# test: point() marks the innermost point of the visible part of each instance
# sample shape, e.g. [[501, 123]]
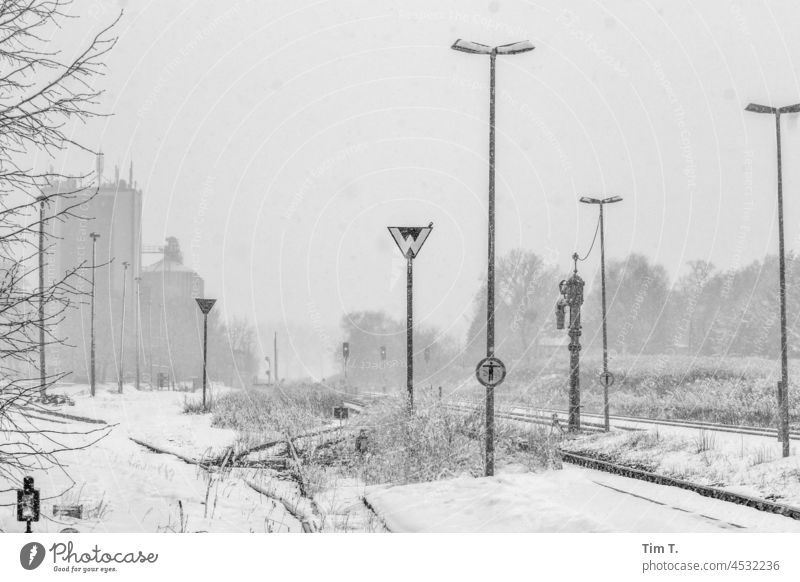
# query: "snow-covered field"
[[569, 500]]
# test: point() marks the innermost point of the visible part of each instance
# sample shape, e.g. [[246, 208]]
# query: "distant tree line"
[[704, 311]]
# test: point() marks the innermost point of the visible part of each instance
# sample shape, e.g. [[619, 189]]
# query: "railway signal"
[[409, 240], [345, 357], [27, 503], [205, 306], [572, 296], [383, 369]]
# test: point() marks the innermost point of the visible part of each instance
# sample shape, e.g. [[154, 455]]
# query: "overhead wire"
[[594, 239]]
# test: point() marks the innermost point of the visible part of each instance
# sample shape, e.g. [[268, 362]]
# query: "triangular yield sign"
[[410, 239], [205, 305]]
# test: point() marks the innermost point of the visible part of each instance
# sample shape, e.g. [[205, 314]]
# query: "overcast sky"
[[277, 140]]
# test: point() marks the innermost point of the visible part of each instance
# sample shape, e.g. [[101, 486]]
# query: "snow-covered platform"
[[569, 500]]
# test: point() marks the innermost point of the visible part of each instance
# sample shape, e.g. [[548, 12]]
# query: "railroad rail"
[[594, 420], [527, 417], [698, 424]]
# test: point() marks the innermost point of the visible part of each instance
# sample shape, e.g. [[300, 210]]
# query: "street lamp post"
[[482, 49], [606, 376], [783, 387], [122, 325], [42, 361], [92, 377], [136, 323]]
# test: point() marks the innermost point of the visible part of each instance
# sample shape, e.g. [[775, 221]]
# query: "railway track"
[[593, 421], [695, 424], [529, 417]]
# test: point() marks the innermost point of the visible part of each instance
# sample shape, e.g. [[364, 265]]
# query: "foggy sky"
[[277, 140]]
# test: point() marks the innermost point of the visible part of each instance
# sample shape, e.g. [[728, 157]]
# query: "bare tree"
[[42, 94]]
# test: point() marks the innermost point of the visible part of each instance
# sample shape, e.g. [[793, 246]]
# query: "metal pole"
[[150, 334], [205, 355], [410, 333], [42, 363], [138, 329], [92, 375], [606, 421], [490, 284], [490, 279], [275, 350], [122, 326], [783, 404]]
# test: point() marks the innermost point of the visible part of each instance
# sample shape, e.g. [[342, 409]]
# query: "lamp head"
[[467, 46], [755, 108], [514, 48]]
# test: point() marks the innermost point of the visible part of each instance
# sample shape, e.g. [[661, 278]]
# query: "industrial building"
[[145, 315]]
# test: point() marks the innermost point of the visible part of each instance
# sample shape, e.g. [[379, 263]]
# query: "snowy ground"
[[124, 487], [569, 500], [747, 464], [128, 488]]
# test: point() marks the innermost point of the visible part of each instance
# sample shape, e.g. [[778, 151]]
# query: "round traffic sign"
[[608, 378], [490, 371]]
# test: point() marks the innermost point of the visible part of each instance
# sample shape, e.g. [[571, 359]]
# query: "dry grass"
[[438, 443], [291, 409]]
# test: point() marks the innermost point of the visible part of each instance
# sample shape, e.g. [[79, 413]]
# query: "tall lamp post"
[[482, 49], [122, 326], [92, 377], [606, 376], [137, 326], [205, 306], [783, 387], [42, 361]]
